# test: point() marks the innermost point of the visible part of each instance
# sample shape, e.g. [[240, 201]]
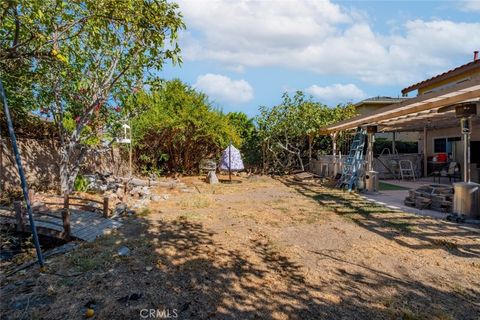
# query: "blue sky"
[[244, 54]]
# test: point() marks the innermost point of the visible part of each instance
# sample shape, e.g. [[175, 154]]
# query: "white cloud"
[[337, 93], [223, 89], [470, 5], [323, 37], [237, 68]]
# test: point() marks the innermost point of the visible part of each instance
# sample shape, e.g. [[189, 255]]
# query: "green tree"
[[288, 131], [246, 129], [74, 60], [178, 128]]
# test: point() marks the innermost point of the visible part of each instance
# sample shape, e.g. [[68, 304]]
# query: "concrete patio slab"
[[394, 199]]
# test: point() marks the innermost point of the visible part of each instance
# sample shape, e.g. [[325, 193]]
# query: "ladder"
[[353, 163]]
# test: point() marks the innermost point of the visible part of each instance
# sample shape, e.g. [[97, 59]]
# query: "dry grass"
[[196, 201], [98, 255], [445, 243], [263, 249]]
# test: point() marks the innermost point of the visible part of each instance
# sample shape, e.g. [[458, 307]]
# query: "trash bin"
[[371, 181], [466, 199]]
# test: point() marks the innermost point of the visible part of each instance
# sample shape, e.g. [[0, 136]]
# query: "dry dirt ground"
[[261, 249]]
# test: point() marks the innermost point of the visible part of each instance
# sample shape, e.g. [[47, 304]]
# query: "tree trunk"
[[309, 149], [300, 161], [64, 170], [263, 157], [71, 158]]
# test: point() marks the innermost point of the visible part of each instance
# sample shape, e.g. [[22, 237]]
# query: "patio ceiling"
[[416, 113], [432, 119]]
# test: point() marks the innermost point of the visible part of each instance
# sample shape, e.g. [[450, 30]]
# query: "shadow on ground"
[[199, 275], [426, 233]]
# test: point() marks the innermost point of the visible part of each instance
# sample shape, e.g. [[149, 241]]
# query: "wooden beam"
[[393, 142], [467, 90], [334, 153], [425, 160], [432, 105], [418, 126], [19, 216], [105, 207], [420, 120]]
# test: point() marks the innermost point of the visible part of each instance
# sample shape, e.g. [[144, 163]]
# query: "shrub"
[[177, 129], [81, 184]]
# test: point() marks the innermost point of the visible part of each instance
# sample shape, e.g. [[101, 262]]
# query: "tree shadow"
[[426, 233], [202, 276]]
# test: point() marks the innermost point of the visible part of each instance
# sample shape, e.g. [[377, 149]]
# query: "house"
[[448, 139], [434, 114], [373, 105]]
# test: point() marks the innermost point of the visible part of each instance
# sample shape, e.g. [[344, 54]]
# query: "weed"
[[190, 216], [409, 315], [445, 243], [459, 290], [145, 212], [196, 201], [283, 209], [91, 256], [399, 225]]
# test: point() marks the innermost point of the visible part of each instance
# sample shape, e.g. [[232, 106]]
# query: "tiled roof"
[[380, 99], [450, 73]]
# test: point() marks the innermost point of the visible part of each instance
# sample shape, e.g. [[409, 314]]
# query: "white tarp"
[[235, 159]]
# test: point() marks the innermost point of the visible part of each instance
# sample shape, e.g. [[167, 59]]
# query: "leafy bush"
[[81, 184], [177, 129], [250, 147], [290, 131]]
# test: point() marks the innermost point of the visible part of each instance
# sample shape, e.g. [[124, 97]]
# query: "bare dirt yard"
[[261, 249]]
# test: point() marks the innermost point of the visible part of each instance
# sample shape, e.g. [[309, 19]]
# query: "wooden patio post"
[[334, 153], [425, 162], [105, 207], [371, 130], [66, 217], [19, 217], [393, 142]]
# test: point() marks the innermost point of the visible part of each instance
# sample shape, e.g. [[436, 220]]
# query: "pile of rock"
[[435, 197], [140, 192], [101, 182], [142, 196]]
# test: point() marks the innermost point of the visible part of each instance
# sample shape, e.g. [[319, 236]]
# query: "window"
[[440, 145], [444, 145]]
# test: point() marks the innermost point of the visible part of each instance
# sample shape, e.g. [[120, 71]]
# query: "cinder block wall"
[[41, 160]]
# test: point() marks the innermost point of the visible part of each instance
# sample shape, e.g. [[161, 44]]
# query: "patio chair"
[[406, 169], [452, 171]]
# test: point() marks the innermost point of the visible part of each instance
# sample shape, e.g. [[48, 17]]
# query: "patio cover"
[[430, 109]]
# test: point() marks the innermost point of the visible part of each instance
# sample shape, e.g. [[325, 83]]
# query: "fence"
[[68, 202]]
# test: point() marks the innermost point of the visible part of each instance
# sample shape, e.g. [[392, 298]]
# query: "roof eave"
[[423, 102], [452, 73]]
